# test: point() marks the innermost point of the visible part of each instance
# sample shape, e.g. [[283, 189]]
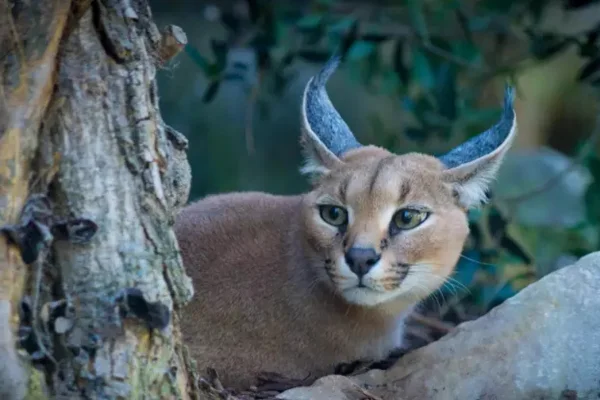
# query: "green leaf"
[[253, 10], [481, 116], [592, 195], [588, 49], [467, 51], [309, 22], [480, 23], [422, 70], [317, 56], [589, 69], [514, 248], [231, 21], [536, 9], [445, 91], [263, 58], [198, 58], [575, 4], [420, 108], [360, 50], [349, 39], [211, 91], [313, 36], [375, 37], [441, 44], [343, 25], [496, 222], [417, 134], [219, 48], [264, 112], [463, 21], [371, 68], [474, 215], [417, 17], [377, 126], [390, 82], [399, 66], [499, 6], [280, 83], [546, 45], [287, 59], [325, 3]]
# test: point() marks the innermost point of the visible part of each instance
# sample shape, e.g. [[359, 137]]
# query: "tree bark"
[[90, 180]]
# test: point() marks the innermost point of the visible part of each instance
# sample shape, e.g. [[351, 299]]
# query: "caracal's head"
[[385, 227]]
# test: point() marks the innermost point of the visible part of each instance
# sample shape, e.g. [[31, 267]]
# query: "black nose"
[[361, 261]]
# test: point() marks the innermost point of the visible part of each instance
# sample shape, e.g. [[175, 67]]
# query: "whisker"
[[449, 280], [477, 261], [428, 274], [426, 292], [459, 284], [450, 287]]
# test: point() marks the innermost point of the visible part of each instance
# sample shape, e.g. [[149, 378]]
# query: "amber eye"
[[333, 215], [406, 219]]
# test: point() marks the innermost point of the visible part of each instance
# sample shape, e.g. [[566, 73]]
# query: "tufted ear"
[[325, 135], [472, 166]]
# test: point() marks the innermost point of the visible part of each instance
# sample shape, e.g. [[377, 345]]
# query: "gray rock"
[[560, 205], [333, 387], [544, 343]]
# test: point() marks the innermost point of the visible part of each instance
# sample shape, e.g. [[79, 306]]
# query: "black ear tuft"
[[321, 117], [486, 142], [325, 134], [472, 166]]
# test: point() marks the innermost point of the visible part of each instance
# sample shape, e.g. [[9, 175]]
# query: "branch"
[[461, 62], [432, 322]]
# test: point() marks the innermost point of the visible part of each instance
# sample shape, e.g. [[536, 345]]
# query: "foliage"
[[434, 59]]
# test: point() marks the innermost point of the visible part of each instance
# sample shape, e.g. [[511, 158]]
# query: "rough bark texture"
[[90, 179]]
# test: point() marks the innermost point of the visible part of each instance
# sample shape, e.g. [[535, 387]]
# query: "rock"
[[333, 387], [548, 224], [561, 205], [543, 343]]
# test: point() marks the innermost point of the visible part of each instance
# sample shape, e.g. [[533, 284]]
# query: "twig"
[[587, 148], [448, 56], [432, 323], [418, 333]]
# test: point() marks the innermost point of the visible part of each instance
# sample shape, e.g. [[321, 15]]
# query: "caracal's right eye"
[[333, 215]]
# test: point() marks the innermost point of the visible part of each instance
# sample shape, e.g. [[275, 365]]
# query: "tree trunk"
[[90, 180]]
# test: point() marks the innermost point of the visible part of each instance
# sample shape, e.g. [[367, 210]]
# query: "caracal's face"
[[384, 227]]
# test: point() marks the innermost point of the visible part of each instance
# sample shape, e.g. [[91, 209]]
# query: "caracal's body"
[[299, 284]]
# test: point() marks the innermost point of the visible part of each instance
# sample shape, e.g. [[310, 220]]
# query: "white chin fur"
[[365, 296]]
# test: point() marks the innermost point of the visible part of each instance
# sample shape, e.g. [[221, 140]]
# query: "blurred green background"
[[418, 76]]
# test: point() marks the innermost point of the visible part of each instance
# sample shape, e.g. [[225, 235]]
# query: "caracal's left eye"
[[333, 215], [407, 218]]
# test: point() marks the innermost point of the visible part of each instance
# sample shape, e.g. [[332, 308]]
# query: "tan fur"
[[273, 288], [263, 299]]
